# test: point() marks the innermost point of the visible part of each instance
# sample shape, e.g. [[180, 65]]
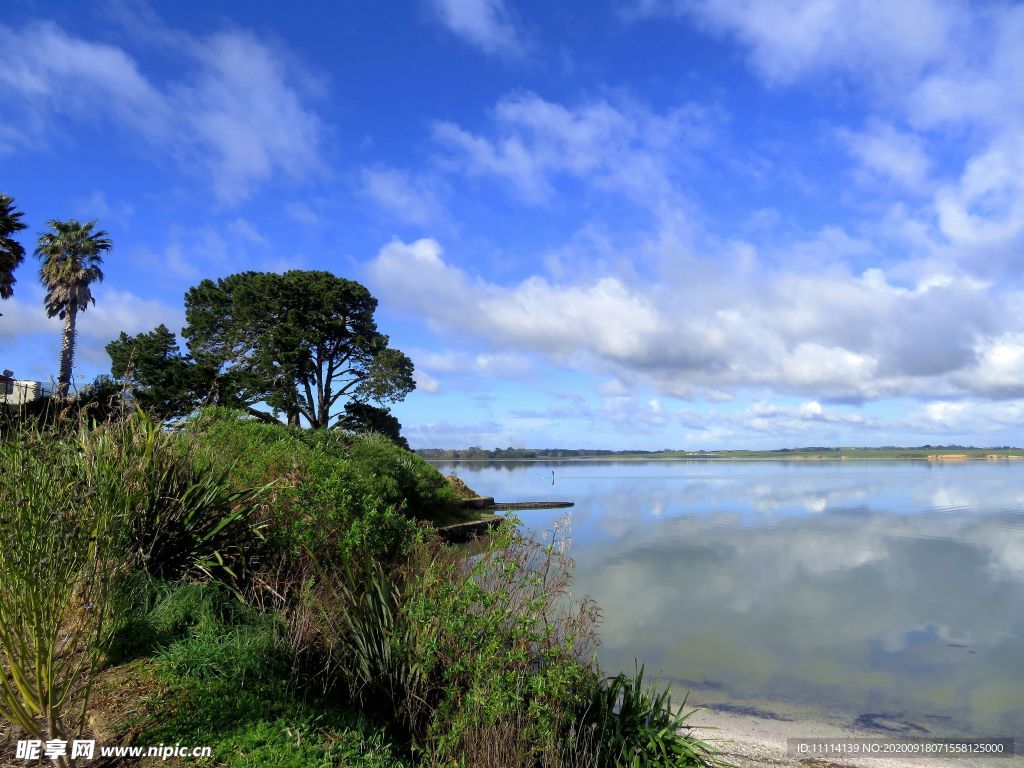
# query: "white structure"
[[15, 392]]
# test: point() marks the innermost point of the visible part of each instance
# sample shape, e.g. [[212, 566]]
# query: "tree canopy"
[[71, 254], [162, 379], [363, 417], [303, 342], [12, 253]]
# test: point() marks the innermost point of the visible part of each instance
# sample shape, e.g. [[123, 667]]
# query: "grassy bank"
[[280, 596]]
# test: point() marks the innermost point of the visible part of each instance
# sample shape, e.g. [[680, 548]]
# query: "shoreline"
[[761, 740]]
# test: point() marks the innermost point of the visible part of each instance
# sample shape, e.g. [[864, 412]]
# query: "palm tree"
[[12, 253], [71, 256]]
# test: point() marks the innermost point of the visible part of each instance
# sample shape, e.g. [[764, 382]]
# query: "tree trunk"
[[67, 352]]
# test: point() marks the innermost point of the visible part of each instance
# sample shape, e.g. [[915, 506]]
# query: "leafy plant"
[[12, 253], [509, 645], [374, 640], [636, 726]]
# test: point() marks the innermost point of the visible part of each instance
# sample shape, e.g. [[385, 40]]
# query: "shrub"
[[508, 643], [335, 494], [451, 648], [373, 640], [485, 661]]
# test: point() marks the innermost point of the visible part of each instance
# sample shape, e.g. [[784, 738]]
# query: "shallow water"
[[883, 594]]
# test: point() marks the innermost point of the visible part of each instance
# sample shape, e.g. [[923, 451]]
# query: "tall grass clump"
[[59, 564], [635, 725], [87, 510], [181, 518]]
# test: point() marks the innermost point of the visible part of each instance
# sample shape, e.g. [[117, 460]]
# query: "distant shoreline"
[[931, 458]]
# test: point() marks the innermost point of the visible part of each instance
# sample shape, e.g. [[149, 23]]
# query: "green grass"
[[223, 679], [261, 725]]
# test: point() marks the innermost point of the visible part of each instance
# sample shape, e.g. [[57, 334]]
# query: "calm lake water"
[[864, 592]]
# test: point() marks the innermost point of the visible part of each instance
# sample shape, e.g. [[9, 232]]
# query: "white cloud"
[[486, 24], [426, 383], [115, 310], [999, 372], [968, 416], [303, 214], [624, 148], [409, 199], [819, 335], [213, 250], [95, 205], [249, 113], [236, 109], [613, 388], [941, 81], [54, 70], [118, 310], [975, 85], [435, 434], [986, 206], [458, 365], [244, 231], [890, 154], [791, 38], [21, 317], [503, 365], [776, 419]]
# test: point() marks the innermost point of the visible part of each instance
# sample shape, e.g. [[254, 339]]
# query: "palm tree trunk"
[[67, 352]]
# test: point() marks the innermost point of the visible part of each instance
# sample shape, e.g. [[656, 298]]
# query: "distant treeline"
[[476, 452]]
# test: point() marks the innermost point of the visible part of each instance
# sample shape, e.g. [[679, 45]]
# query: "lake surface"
[[864, 592]]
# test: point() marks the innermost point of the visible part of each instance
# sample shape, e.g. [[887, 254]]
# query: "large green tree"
[[161, 379], [363, 417], [71, 254], [303, 342], [12, 253]]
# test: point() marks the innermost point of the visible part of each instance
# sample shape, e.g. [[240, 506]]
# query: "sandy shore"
[[750, 740]]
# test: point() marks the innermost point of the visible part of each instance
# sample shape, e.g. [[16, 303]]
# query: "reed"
[[57, 582]]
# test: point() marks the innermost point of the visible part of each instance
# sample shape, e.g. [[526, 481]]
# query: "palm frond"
[[12, 253]]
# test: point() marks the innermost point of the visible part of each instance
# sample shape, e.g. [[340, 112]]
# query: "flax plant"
[[180, 519], [55, 587]]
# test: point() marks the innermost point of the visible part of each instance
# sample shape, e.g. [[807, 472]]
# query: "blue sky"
[[632, 224]]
